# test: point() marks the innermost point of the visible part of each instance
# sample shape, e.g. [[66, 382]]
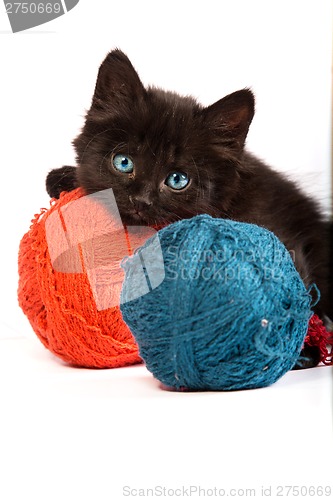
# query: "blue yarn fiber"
[[228, 309]]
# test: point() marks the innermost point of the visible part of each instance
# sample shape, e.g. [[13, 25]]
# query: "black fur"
[[163, 132], [61, 179]]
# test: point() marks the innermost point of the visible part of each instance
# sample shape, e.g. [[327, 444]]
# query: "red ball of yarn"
[[70, 281]]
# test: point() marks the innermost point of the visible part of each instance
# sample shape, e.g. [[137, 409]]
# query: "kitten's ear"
[[117, 85], [232, 115]]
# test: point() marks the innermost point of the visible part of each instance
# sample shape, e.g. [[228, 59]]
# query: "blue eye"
[[177, 180], [123, 164]]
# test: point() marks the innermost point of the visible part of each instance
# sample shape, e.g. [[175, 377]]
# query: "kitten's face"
[[165, 157]]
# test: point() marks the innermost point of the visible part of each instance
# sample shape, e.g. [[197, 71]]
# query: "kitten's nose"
[[140, 202]]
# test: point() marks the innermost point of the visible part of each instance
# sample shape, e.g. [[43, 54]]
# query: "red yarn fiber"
[[317, 335], [65, 297]]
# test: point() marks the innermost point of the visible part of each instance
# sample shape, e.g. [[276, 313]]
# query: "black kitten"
[[166, 157]]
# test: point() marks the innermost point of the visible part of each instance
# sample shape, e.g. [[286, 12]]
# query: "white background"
[[81, 433]]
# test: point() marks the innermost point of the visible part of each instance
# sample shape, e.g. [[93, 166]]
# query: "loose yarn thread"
[[317, 335]]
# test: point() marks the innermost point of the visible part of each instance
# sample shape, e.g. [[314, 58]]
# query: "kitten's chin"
[[136, 219]]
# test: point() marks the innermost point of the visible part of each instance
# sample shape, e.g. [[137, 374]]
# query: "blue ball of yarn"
[[215, 304]]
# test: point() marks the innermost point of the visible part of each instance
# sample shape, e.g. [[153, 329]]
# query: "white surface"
[[78, 434], [84, 434]]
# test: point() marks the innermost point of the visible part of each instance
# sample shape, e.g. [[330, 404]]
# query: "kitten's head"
[[165, 156]]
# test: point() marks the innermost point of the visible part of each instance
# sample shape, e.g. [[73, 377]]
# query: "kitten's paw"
[[61, 179], [309, 358]]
